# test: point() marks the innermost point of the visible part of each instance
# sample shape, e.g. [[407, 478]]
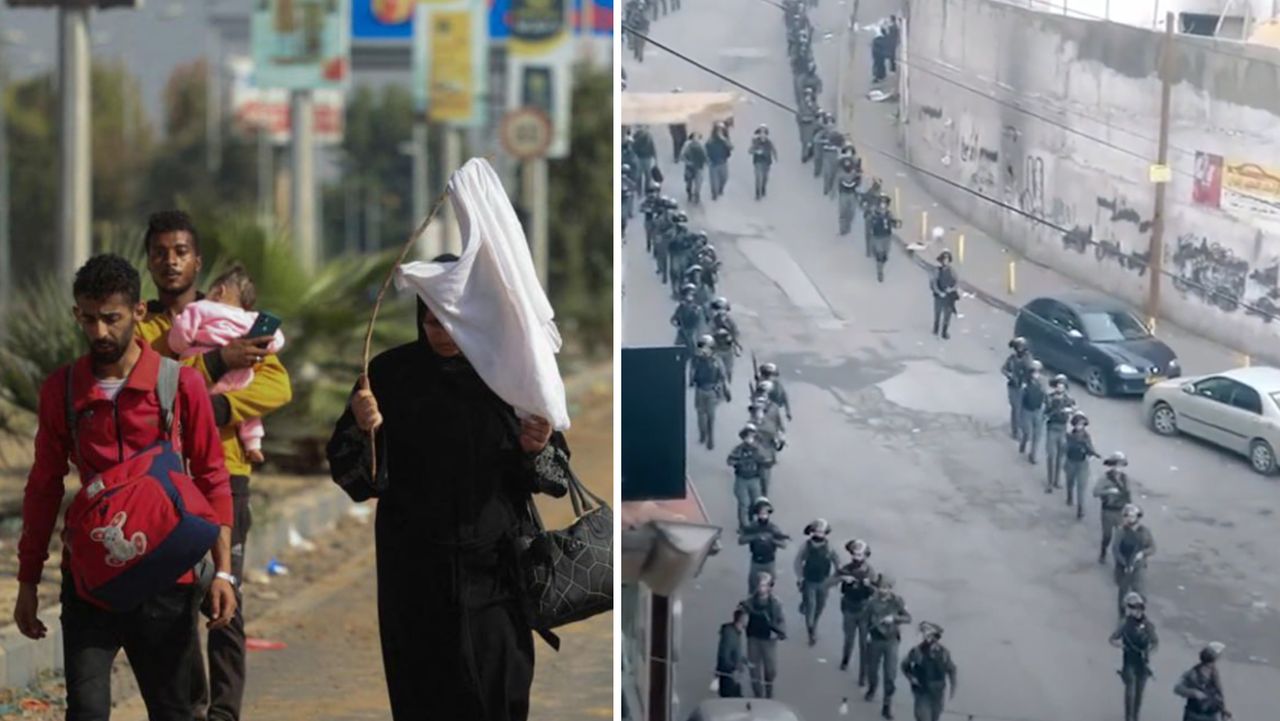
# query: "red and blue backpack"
[[134, 529]]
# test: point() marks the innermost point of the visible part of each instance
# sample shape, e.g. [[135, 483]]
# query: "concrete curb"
[[310, 513]]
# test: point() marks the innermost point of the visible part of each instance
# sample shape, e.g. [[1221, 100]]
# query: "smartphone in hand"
[[266, 325]]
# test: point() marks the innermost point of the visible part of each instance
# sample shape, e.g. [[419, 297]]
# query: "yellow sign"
[[1160, 173], [1251, 188], [451, 91]]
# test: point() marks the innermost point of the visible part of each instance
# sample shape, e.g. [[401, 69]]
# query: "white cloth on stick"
[[490, 300]]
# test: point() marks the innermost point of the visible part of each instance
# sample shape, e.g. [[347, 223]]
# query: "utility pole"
[[534, 189], [266, 178], [303, 162], [74, 202], [1156, 253], [420, 185], [452, 237]]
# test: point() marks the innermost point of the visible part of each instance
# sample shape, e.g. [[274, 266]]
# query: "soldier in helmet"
[[693, 275], [765, 627], [886, 612], [809, 81], [681, 251], [763, 538], [946, 292], [1136, 635], [1032, 414], [763, 156], [1113, 489], [821, 139], [652, 206], [708, 379], [694, 158], [689, 318], [628, 195], [1202, 688], [748, 463], [815, 563], [1132, 547], [764, 418], [857, 584], [663, 241], [1015, 370], [848, 179], [1058, 407], [807, 121], [643, 146], [879, 227], [836, 144], [777, 394], [726, 335], [929, 669], [1078, 449]]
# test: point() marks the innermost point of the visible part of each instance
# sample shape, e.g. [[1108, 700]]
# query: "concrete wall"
[[1101, 80]]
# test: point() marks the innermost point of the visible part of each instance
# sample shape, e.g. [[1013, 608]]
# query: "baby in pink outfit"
[[225, 314]]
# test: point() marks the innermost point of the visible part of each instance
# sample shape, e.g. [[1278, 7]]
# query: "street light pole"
[[303, 161], [74, 202]]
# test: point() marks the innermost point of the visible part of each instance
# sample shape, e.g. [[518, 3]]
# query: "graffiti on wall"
[[1216, 275], [1031, 199]]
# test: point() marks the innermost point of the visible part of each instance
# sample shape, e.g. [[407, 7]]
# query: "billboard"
[[601, 19], [1247, 190], [254, 109], [541, 54], [382, 20], [450, 62], [300, 44]]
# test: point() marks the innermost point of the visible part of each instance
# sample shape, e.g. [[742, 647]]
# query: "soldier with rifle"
[[1202, 688], [707, 378], [1137, 637]]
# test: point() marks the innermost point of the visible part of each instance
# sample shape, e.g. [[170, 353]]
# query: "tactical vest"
[[817, 562], [705, 373]]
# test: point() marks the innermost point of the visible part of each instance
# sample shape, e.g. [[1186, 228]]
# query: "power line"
[[1132, 259]]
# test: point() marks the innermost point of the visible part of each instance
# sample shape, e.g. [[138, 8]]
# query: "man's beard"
[[107, 352]]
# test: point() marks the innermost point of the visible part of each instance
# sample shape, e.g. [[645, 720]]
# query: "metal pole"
[[420, 182], [660, 643], [534, 187], [452, 237], [213, 102], [1157, 224], [6, 252], [303, 161], [74, 150], [266, 178]]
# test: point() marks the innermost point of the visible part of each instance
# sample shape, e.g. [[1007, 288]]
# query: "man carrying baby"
[[173, 258]]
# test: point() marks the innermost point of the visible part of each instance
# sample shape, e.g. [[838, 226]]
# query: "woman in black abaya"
[[456, 470]]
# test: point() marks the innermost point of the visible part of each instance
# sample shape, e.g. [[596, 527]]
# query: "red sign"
[[1207, 187]]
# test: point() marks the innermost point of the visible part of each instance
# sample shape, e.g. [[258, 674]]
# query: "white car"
[[1237, 409]]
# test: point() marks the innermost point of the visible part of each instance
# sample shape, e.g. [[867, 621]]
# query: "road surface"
[[900, 438]]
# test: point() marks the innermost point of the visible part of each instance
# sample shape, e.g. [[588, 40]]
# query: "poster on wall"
[[541, 51], [299, 44], [450, 62], [1206, 186], [382, 20], [1251, 190]]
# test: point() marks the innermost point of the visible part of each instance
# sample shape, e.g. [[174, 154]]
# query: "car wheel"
[[1095, 381], [1163, 420], [1262, 457]]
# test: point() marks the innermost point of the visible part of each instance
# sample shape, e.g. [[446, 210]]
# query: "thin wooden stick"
[[377, 306]]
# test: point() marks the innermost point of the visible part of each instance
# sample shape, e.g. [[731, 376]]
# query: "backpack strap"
[[167, 392]]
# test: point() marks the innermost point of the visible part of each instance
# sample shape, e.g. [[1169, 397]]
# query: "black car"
[[1098, 341]]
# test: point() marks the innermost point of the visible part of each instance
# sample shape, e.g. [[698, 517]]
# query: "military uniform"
[[847, 196], [678, 249], [1015, 370], [726, 349], [1078, 448], [854, 595], [928, 668], [1137, 637], [748, 464], [646, 152], [731, 659], [944, 287], [884, 616], [1113, 489], [765, 627], [708, 379], [694, 157], [1056, 417], [880, 227], [1032, 417], [689, 319], [770, 428], [763, 156], [778, 396], [807, 120], [831, 161], [814, 564], [1130, 570], [763, 540], [1202, 688]]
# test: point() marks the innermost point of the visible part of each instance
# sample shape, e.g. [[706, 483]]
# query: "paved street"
[[899, 438]]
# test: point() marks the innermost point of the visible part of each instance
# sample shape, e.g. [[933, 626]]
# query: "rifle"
[[755, 374]]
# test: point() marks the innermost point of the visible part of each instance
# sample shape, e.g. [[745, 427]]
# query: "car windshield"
[[1275, 398], [1112, 326]]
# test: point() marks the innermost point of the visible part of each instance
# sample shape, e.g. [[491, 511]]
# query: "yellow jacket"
[[269, 390]]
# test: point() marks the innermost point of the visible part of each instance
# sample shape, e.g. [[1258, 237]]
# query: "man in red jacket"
[[117, 414]]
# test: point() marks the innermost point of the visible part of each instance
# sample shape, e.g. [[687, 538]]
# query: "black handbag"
[[566, 575]]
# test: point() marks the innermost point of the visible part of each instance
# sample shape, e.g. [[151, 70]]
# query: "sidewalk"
[[984, 265]]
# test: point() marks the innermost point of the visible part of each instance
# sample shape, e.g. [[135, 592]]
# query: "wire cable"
[[1100, 249]]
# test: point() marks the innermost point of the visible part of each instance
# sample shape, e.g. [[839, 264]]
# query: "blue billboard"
[[382, 20], [499, 29]]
